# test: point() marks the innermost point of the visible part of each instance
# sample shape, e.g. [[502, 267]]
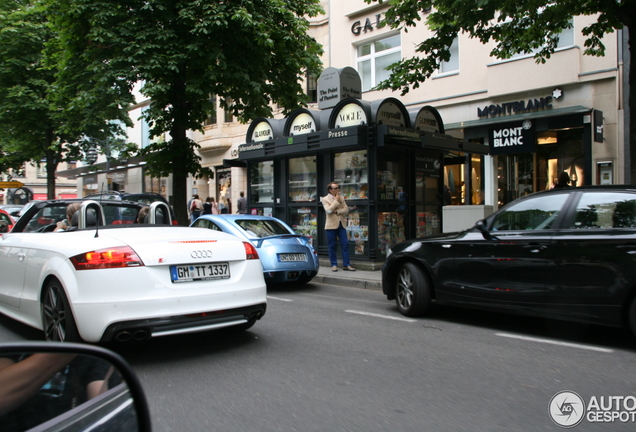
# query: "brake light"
[[116, 257], [250, 251]]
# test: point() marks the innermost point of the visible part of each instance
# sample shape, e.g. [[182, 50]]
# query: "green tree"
[[250, 53], [37, 121], [516, 26]]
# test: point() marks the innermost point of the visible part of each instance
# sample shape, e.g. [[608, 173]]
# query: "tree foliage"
[[516, 26], [37, 121], [250, 54]]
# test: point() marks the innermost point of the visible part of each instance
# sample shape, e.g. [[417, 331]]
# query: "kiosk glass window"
[[303, 220], [262, 182], [392, 191], [302, 179], [352, 174], [358, 230]]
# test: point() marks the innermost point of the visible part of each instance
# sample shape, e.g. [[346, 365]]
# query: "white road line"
[[381, 316], [548, 341], [280, 299]]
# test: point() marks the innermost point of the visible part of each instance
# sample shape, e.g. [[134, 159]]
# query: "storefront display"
[[302, 179], [303, 220], [351, 172], [390, 230], [262, 182]]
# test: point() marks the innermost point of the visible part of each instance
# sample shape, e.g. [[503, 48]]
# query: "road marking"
[[280, 299], [548, 341], [381, 316]]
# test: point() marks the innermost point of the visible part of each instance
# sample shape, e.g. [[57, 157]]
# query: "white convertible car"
[[111, 276]]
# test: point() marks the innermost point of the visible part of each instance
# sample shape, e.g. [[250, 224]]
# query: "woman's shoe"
[[349, 268], [334, 268]]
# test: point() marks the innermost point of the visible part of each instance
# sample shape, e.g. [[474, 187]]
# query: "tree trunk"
[[51, 168]]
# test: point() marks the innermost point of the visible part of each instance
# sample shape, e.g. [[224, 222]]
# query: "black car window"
[[531, 214], [605, 210], [46, 216], [262, 228]]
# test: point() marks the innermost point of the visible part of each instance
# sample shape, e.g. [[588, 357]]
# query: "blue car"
[[285, 255]]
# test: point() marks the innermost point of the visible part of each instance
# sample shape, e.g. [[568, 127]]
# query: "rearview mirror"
[[483, 229], [52, 386]]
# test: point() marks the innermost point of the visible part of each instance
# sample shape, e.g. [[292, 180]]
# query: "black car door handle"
[[535, 248]]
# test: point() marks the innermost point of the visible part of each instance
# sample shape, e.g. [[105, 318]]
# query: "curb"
[[348, 281]]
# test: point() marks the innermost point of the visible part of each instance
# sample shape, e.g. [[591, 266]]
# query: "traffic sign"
[[11, 184]]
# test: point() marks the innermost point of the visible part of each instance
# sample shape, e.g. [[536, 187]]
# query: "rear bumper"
[[169, 325], [288, 275]]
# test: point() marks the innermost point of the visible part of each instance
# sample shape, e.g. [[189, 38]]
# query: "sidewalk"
[[366, 279]]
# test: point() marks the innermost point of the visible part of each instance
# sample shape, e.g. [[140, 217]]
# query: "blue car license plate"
[[199, 272], [292, 257]]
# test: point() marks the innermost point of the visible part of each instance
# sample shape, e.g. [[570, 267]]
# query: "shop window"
[[302, 179], [452, 65], [463, 179], [304, 221], [262, 182], [374, 57], [392, 179], [351, 172]]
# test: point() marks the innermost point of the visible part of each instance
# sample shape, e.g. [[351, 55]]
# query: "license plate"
[[199, 272], [292, 257]]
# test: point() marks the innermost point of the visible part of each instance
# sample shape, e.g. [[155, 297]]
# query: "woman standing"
[[196, 207], [215, 206]]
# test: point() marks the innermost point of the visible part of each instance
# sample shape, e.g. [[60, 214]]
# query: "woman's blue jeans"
[[333, 235]]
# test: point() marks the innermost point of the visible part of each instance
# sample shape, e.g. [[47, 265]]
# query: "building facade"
[[535, 120]]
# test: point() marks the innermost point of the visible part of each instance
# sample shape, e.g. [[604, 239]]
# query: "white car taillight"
[[250, 251], [116, 257]]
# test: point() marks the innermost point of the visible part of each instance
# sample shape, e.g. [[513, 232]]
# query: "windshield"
[[262, 228]]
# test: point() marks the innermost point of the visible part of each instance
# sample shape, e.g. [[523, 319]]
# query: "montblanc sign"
[[512, 138], [520, 106]]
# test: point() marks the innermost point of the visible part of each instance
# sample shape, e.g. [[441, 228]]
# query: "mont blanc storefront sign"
[[511, 138]]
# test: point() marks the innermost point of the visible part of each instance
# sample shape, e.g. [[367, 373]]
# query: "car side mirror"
[[55, 386], [483, 229], [4, 226]]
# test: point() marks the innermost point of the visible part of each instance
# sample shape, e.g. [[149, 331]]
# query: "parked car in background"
[[12, 209], [565, 253], [6, 221], [285, 255], [109, 276], [145, 198]]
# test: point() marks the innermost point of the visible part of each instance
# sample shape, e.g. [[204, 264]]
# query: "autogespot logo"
[[567, 409]]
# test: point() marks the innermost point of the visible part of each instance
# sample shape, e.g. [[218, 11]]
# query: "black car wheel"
[[57, 318], [413, 291]]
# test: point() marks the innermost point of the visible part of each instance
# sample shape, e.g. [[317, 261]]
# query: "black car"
[[565, 253]]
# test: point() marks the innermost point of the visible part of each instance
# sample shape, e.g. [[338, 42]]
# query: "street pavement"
[[366, 279]]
